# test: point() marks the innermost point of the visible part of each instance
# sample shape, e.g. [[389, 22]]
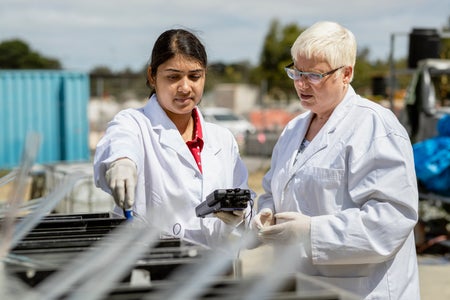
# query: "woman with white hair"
[[342, 182]]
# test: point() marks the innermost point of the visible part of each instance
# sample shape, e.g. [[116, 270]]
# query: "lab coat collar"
[[169, 135], [321, 140], [318, 143], [340, 111], [209, 147]]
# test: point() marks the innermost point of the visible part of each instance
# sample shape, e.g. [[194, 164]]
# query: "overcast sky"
[[83, 34]]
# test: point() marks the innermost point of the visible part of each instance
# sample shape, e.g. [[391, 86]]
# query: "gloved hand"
[[262, 219], [121, 178], [291, 227], [232, 218]]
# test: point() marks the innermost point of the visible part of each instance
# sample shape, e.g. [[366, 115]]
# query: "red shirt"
[[196, 144]]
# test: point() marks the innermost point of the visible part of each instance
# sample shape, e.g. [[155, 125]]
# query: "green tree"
[[238, 72], [101, 70], [275, 55], [16, 54]]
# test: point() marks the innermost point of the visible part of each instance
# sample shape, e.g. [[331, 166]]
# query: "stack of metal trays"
[[58, 239], [293, 288], [177, 269]]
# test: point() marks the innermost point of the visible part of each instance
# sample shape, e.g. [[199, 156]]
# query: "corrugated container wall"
[[50, 103]]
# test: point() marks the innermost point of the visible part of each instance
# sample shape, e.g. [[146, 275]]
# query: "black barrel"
[[423, 43], [379, 86]]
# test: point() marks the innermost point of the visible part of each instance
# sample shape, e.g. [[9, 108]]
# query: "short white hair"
[[327, 41]]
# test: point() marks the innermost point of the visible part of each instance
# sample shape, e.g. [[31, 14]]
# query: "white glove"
[[121, 178], [291, 227], [232, 218], [262, 219]]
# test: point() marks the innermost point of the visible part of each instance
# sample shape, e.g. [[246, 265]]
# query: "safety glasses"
[[311, 77]]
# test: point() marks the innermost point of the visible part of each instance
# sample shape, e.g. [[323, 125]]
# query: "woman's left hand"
[[232, 218]]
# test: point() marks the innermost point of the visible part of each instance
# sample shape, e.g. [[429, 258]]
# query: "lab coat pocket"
[[326, 178], [164, 216], [357, 286], [324, 183]]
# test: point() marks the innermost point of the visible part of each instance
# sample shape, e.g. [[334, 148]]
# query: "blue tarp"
[[432, 159]]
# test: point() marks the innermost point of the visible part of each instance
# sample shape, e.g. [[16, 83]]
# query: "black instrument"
[[224, 200]]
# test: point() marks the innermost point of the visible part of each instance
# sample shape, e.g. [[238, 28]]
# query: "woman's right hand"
[[121, 178]]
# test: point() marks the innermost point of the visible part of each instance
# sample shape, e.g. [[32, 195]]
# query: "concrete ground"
[[434, 272]]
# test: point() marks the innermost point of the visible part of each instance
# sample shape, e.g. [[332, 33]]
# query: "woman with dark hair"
[[163, 159]]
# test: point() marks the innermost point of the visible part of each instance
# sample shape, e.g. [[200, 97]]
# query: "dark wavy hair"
[[176, 42]]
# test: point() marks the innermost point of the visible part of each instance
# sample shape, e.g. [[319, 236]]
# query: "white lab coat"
[[356, 180], [169, 184]]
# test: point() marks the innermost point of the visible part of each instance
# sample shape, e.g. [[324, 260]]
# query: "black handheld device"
[[224, 200]]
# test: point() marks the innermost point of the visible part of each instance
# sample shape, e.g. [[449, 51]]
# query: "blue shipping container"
[[51, 103]]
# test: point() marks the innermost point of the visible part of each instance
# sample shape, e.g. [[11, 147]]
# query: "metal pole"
[[391, 73]]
